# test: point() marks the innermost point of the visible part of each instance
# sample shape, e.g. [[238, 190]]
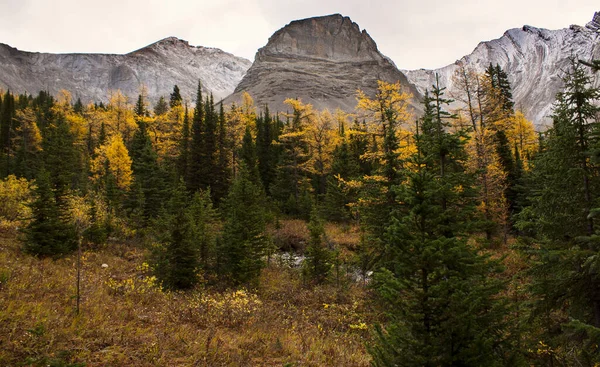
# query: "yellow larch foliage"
[[484, 162], [322, 138], [521, 133], [15, 196], [120, 116], [165, 132], [390, 105], [113, 158], [28, 134]]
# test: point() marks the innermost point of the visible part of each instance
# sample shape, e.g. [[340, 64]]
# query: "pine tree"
[[561, 217], [194, 179], [161, 107], [175, 98], [148, 176], [265, 151], [223, 175], [243, 243], [183, 163], [177, 261], [343, 168], [248, 157], [291, 187], [319, 258], [78, 106], [443, 309], [140, 106], [48, 233]]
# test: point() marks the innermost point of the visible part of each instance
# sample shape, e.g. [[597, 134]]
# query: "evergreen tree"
[[343, 168], [62, 159], [561, 217], [175, 98], [177, 261], [442, 306], [183, 163], [194, 179], [161, 107], [78, 106], [265, 151], [319, 258], [7, 112], [248, 156], [291, 187], [223, 176], [48, 233], [140, 106], [148, 176], [243, 243]]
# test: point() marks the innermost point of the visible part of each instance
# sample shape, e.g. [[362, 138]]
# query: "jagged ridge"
[[91, 77], [534, 59]]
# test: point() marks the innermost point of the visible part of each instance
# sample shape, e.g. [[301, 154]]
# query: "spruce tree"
[[183, 160], [265, 151], [248, 156], [161, 107], [223, 175], [49, 232], [177, 261], [318, 257], [243, 243], [561, 218], [442, 307], [175, 98], [148, 176], [194, 179]]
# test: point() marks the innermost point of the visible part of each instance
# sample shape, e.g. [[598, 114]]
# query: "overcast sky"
[[415, 34]]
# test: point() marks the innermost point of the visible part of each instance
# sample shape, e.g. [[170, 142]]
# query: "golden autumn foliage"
[[119, 118], [28, 134], [521, 134], [113, 158], [390, 105], [15, 196]]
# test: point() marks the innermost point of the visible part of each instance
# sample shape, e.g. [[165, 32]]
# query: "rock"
[[90, 77], [104, 266], [594, 25], [322, 61], [533, 58]]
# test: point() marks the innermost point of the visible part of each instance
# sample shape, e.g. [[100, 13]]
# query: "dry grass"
[[126, 320]]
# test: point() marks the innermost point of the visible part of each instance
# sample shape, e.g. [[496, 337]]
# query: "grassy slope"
[[127, 321]]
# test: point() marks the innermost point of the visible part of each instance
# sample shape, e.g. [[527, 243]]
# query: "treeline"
[[442, 201]]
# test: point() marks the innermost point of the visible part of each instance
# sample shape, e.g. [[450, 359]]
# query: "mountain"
[[91, 77], [322, 61], [533, 58]]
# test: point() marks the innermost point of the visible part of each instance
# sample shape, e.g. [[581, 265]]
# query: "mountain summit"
[[91, 77], [533, 58], [322, 61]]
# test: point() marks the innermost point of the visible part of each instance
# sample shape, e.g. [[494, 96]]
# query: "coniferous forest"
[[193, 233]]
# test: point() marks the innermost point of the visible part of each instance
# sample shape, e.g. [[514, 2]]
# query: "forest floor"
[[125, 318]]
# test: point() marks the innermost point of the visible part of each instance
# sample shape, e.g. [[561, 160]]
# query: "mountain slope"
[[534, 59], [90, 77], [322, 61]]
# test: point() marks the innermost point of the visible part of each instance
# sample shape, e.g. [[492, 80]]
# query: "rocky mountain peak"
[[322, 61], [594, 25], [331, 37]]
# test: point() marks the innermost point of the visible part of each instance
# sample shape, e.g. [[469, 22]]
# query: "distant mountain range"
[[322, 60], [91, 77]]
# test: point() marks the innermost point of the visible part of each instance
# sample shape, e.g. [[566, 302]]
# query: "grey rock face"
[[323, 61], [533, 58], [91, 77]]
